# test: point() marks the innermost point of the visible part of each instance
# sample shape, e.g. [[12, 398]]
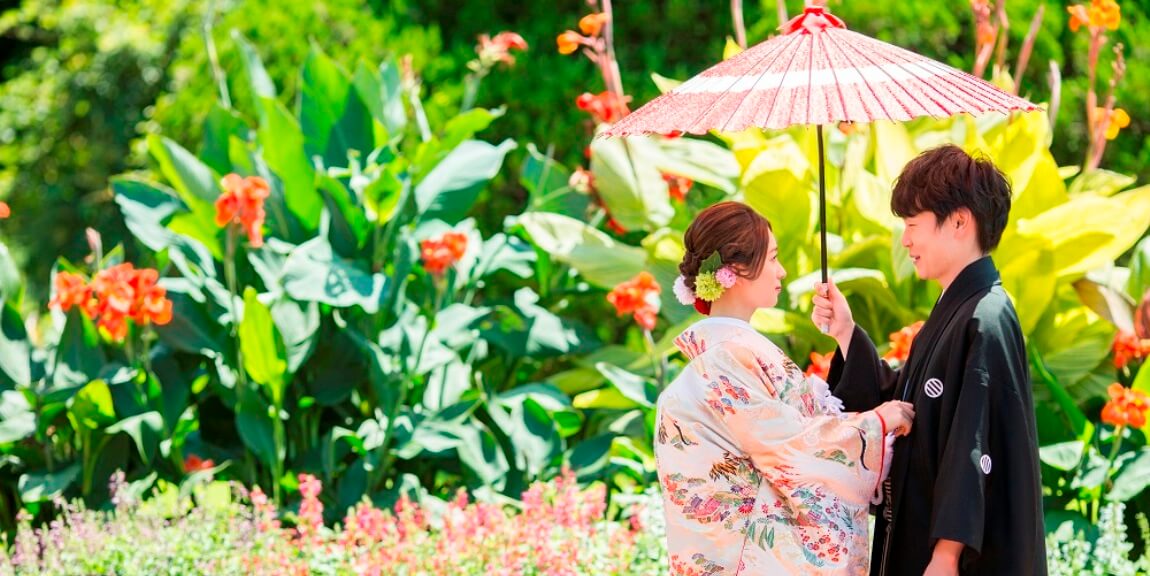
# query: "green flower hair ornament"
[[712, 280]]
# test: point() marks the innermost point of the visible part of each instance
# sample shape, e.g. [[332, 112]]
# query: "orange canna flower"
[[440, 253], [569, 41], [1105, 14], [678, 186], [1126, 407], [243, 203], [639, 297], [592, 24], [900, 343], [1119, 119], [5, 211], [820, 365], [1101, 14], [1128, 347], [604, 107], [1079, 17], [986, 33], [71, 290], [194, 463], [115, 296]]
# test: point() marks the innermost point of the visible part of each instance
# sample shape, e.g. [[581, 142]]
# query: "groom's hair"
[[946, 178], [736, 231]]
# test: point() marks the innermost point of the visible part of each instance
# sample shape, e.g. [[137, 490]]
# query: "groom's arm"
[[858, 376]]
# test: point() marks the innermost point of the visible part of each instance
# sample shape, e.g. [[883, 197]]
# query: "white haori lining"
[[803, 78]]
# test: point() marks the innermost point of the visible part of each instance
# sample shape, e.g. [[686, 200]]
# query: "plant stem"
[[230, 277], [210, 43], [740, 28]]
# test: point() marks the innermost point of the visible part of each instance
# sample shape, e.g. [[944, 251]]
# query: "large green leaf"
[[77, 357], [1029, 274], [45, 486], [333, 117], [11, 285], [481, 455], [546, 182], [702, 161], [1139, 282], [282, 142], [15, 358], [261, 83], [298, 323], [313, 273], [383, 195], [532, 431], [189, 176], [1085, 233], [776, 185], [1063, 456], [632, 386], [265, 357], [1132, 478], [144, 429], [893, 148], [220, 128], [256, 428], [92, 407], [349, 226], [191, 329], [598, 258], [17, 419], [629, 183], [448, 192], [147, 207], [1100, 182], [381, 91]]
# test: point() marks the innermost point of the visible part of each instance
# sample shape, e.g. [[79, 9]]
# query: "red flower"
[[71, 290], [639, 297], [900, 343], [498, 49], [678, 186], [604, 107], [243, 203], [1128, 347], [5, 211], [820, 365], [115, 296], [194, 463], [1126, 407], [441, 252]]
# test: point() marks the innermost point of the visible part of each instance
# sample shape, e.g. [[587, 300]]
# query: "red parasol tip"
[[813, 20]]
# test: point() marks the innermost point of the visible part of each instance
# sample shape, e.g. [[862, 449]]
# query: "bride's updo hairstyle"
[[736, 231]]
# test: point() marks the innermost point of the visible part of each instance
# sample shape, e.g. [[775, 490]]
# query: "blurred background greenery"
[[83, 81]]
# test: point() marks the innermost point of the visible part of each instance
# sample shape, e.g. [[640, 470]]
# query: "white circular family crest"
[[933, 387], [984, 463]]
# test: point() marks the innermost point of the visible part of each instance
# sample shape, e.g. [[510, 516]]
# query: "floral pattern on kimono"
[[761, 472]]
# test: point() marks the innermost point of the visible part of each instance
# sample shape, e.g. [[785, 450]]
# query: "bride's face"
[[763, 291]]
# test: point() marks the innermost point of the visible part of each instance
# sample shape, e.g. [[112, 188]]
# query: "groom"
[[964, 494]]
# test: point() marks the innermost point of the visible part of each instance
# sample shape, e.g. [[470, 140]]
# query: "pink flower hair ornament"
[[711, 281]]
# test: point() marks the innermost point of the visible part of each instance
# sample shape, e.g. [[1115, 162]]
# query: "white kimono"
[[761, 472]]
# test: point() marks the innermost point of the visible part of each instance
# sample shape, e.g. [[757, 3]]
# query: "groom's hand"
[[833, 313]]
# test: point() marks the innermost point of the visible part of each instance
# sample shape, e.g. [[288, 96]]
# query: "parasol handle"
[[822, 212]]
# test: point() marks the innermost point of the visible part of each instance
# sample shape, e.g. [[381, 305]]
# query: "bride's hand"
[[899, 416]]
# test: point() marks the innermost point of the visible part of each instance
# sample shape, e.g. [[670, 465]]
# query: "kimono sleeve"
[[960, 502], [840, 451], [861, 379]]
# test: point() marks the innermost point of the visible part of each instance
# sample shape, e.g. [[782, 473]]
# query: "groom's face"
[[929, 245]]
